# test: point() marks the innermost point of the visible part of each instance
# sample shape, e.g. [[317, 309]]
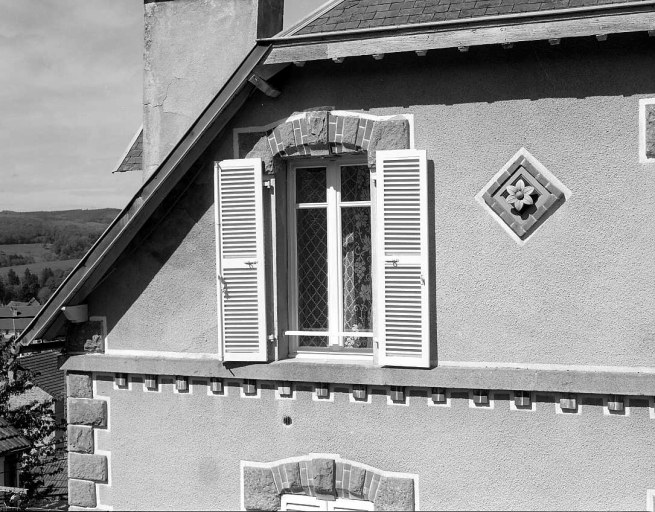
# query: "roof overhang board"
[[100, 258], [464, 35]]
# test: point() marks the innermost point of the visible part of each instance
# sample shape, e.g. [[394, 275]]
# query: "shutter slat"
[[403, 258], [240, 247]]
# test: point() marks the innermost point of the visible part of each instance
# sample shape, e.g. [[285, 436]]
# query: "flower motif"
[[519, 195]]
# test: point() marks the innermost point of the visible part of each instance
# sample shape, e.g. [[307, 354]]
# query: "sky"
[[71, 100]]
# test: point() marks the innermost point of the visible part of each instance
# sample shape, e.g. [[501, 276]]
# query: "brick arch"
[[325, 477], [319, 133]]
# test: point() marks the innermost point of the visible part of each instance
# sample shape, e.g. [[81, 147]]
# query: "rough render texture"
[[472, 113], [84, 411], [80, 439], [540, 459], [79, 385], [87, 467], [191, 48], [81, 493], [650, 131]]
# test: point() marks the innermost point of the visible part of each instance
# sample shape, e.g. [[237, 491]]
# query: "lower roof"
[[11, 439]]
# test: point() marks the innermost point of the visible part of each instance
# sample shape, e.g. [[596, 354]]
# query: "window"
[[357, 258], [330, 257], [301, 502]]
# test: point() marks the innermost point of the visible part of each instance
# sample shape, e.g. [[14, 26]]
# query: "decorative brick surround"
[[85, 467], [321, 133], [523, 194], [325, 477]]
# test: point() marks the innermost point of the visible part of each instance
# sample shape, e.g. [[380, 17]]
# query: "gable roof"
[[347, 15], [11, 439], [293, 46], [97, 261], [132, 158]]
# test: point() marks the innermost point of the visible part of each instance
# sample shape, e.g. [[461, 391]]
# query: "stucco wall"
[[185, 449], [578, 292]]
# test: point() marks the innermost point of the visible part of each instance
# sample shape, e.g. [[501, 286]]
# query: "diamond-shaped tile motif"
[[523, 194]]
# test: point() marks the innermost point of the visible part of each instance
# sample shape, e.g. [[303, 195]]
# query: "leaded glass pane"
[[356, 263], [312, 341], [312, 269], [357, 342], [311, 185], [355, 183]]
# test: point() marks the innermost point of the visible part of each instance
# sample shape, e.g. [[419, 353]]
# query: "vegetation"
[[10, 260], [23, 288], [68, 234], [38, 249], [36, 422]]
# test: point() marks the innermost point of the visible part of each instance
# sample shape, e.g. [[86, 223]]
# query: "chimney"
[[191, 48]]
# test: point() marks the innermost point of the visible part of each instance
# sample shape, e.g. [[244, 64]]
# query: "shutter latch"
[[251, 263], [223, 285], [422, 279]]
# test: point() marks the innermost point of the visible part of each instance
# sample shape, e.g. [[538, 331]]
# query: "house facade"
[[384, 260]]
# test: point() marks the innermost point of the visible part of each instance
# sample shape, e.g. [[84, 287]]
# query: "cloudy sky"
[[70, 100]]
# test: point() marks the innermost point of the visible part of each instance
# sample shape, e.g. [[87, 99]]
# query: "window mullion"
[[333, 248]]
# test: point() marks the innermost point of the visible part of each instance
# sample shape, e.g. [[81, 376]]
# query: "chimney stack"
[[191, 48]]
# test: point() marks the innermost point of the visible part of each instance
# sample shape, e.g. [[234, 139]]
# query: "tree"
[[36, 422], [12, 278]]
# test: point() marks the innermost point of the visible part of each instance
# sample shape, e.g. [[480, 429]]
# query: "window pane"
[[312, 269], [355, 183], [312, 341], [356, 260], [357, 342], [310, 185]]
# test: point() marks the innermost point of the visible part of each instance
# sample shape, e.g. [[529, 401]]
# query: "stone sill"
[[451, 377]]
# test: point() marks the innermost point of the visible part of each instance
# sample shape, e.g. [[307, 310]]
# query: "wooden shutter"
[[240, 262], [402, 238]]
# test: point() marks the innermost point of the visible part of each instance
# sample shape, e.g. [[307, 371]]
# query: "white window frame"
[[313, 503], [333, 204]]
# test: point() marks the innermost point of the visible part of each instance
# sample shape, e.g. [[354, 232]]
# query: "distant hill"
[[38, 249], [68, 233]]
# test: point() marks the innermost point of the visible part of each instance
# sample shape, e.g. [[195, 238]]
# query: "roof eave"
[[574, 22]]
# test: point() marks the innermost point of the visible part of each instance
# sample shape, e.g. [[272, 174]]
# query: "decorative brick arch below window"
[[322, 133], [325, 477]]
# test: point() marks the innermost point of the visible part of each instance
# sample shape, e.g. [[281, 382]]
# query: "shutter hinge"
[[269, 183], [272, 340]]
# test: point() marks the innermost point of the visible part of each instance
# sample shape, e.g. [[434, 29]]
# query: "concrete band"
[[564, 381]]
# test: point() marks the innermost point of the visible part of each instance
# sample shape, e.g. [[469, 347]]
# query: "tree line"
[[22, 288], [67, 234]]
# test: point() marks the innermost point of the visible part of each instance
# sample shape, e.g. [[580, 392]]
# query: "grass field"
[[35, 268], [36, 251]]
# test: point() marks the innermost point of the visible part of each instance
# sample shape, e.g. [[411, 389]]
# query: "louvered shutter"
[[240, 248], [402, 238]]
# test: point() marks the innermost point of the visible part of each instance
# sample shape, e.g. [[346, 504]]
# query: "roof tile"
[[399, 12]]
